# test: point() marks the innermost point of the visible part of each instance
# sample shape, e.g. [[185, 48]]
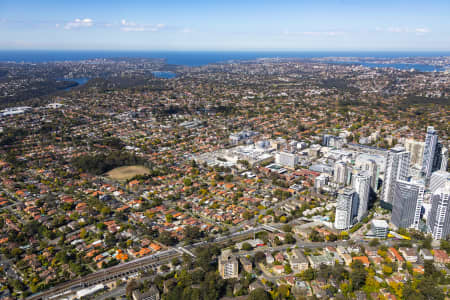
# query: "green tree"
[[344, 235], [431, 271], [287, 269], [187, 261], [286, 228], [259, 257], [374, 242], [192, 233], [445, 245], [387, 270], [426, 243], [205, 255], [175, 262], [314, 236], [247, 247], [358, 275], [339, 272], [430, 290], [283, 291], [105, 211], [289, 239], [83, 233], [410, 293], [187, 182], [16, 253], [167, 239], [259, 294], [331, 237], [247, 215], [308, 274], [345, 288], [169, 218], [131, 286]]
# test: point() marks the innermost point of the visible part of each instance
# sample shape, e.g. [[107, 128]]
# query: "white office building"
[[380, 228], [438, 222], [321, 181], [440, 158], [416, 149], [286, 159], [333, 141], [370, 166], [346, 209], [429, 152], [444, 157], [397, 168], [361, 185], [439, 179], [407, 205], [242, 136], [341, 173], [228, 265]]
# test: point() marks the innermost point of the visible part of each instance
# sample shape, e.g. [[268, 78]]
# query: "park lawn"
[[127, 172]]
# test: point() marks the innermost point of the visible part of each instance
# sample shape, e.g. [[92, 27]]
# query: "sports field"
[[127, 172]]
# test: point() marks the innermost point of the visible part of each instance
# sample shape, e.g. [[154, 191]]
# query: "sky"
[[384, 25]]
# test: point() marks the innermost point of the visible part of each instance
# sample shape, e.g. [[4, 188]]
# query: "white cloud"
[[127, 23], [422, 31], [79, 23], [128, 26], [134, 28], [315, 33], [324, 33], [394, 29]]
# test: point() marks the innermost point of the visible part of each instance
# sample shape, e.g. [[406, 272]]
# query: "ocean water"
[[164, 74], [419, 67], [198, 58], [80, 81]]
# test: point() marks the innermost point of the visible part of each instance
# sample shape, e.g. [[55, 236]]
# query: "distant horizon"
[[287, 51], [204, 57], [230, 50]]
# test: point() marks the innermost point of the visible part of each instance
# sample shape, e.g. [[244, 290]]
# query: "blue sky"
[[225, 25]]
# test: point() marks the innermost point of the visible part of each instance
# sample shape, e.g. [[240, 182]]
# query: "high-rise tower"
[[370, 166], [361, 185], [407, 204], [438, 222], [439, 179], [397, 168], [429, 152], [346, 208], [340, 175]]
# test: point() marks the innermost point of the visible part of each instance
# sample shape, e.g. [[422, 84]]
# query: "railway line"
[[109, 274], [134, 266]]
